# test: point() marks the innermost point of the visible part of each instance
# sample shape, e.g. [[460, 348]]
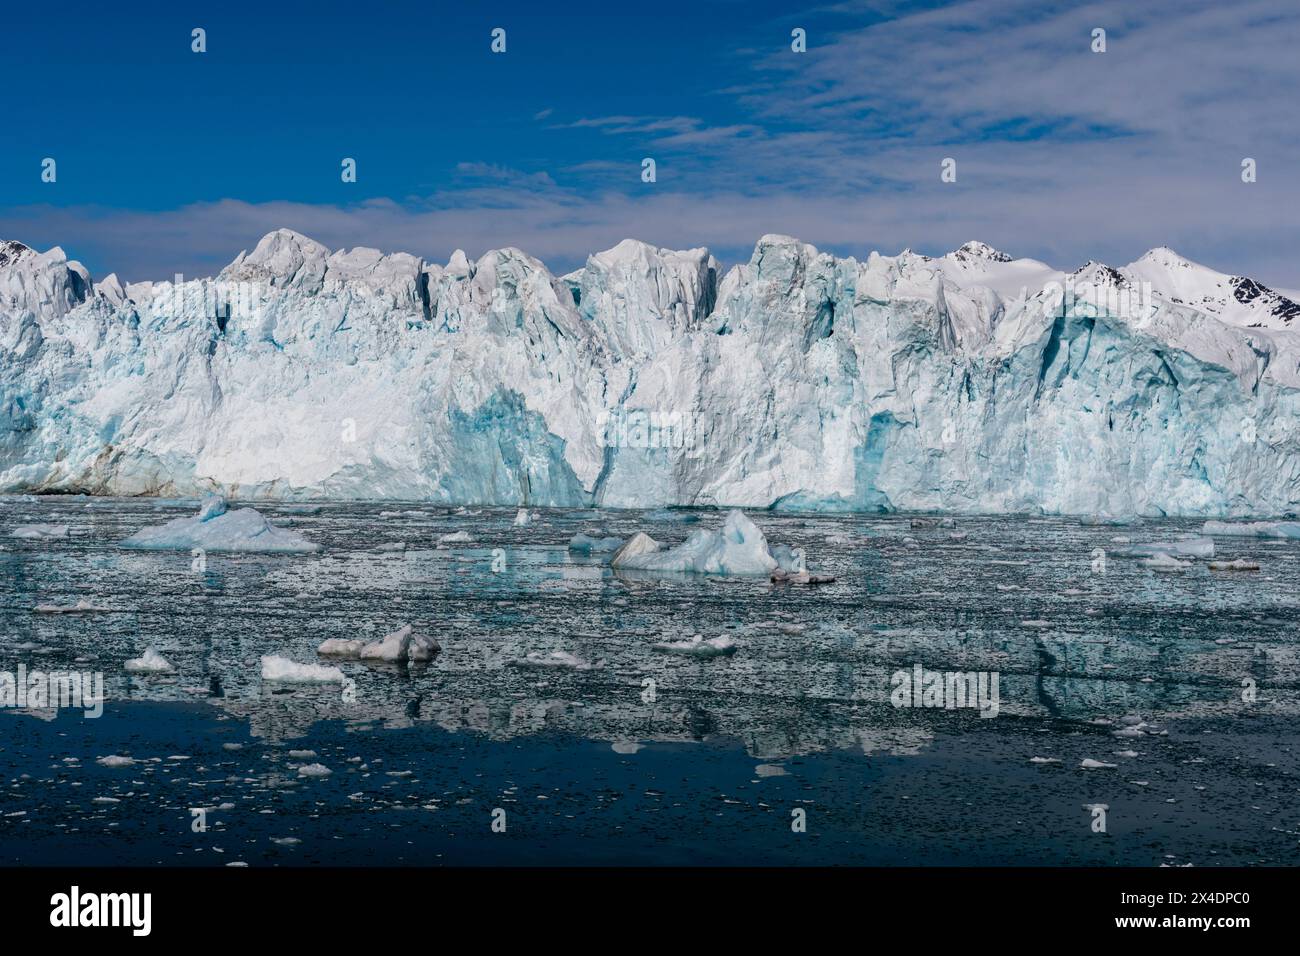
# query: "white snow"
[[216, 529], [286, 671]]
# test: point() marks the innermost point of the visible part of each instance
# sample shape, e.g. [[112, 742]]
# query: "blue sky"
[[173, 161]]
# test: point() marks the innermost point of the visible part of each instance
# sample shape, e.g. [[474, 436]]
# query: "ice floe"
[[1254, 529], [216, 529], [39, 532], [1185, 548]]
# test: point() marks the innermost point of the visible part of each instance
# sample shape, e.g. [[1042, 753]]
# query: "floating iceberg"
[[400, 646], [150, 662], [115, 760], [739, 548], [522, 518], [285, 671], [216, 529], [1254, 529], [592, 544], [1187, 548], [39, 532]]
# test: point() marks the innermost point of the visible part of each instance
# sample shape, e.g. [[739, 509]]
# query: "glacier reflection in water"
[[1072, 639]]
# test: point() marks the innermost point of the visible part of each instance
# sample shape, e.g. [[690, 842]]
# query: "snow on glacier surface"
[[971, 382]]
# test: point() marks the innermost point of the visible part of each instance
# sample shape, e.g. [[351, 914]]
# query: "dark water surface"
[[1186, 681]]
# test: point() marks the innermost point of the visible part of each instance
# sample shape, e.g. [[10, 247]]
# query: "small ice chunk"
[[39, 532], [1238, 564], [283, 670], [1187, 548], [314, 770], [1089, 764], [555, 659], [455, 537], [114, 760], [340, 647], [150, 662], [423, 648], [697, 646], [522, 518], [1160, 561], [81, 607], [593, 543], [400, 646], [637, 547], [391, 647]]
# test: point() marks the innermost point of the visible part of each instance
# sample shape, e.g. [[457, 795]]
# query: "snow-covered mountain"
[[969, 382]]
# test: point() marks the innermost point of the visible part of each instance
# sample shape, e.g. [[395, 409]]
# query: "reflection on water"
[[1071, 638]]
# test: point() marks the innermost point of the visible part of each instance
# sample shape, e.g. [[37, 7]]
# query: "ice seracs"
[[216, 529], [969, 382]]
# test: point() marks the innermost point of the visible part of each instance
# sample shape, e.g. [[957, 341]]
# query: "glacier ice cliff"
[[971, 382]]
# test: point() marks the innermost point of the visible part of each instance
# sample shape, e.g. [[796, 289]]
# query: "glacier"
[[968, 383]]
